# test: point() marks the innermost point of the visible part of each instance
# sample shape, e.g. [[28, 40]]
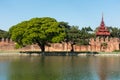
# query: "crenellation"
[[10, 40], [97, 39], [107, 39], [111, 40], [3, 40], [6, 40], [102, 40]]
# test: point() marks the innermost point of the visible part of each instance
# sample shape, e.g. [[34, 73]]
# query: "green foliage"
[[67, 28], [3, 34], [104, 44], [114, 31], [18, 46], [73, 35], [76, 36], [37, 30], [65, 24], [116, 51], [86, 34]]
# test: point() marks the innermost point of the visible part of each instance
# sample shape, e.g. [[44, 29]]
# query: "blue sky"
[[80, 13]]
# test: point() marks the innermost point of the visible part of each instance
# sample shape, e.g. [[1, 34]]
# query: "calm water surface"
[[60, 68]]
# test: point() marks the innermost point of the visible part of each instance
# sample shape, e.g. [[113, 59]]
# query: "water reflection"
[[60, 68], [4, 70], [105, 67]]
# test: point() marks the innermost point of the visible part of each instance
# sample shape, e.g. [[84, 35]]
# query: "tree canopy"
[[76, 36], [41, 31], [3, 34], [114, 31], [85, 35], [73, 36]]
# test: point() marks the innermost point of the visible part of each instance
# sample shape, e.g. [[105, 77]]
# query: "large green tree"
[[85, 34], [41, 31], [73, 36], [76, 36]]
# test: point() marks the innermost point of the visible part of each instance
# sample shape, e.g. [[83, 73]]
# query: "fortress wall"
[[95, 45]]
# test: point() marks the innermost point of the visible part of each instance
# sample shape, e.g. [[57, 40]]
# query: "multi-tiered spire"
[[102, 30]]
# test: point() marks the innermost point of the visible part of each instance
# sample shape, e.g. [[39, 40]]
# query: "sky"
[[82, 13]]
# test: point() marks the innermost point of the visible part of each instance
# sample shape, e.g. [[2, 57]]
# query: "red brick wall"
[[95, 45]]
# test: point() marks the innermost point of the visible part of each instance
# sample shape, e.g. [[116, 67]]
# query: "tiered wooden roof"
[[102, 30]]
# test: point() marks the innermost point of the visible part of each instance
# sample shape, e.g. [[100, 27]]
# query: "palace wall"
[[95, 45]]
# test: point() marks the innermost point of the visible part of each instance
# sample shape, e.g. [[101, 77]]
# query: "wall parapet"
[[95, 45]]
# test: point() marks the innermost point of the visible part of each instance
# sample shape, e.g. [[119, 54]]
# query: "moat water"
[[60, 68]]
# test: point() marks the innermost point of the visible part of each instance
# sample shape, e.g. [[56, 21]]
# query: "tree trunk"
[[119, 46], [42, 47], [72, 50]]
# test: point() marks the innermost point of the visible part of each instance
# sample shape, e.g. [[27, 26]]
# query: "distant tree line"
[[4, 34], [114, 31], [44, 31]]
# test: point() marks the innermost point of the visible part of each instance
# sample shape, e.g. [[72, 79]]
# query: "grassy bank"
[[109, 52], [59, 53], [76, 52], [1, 51]]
